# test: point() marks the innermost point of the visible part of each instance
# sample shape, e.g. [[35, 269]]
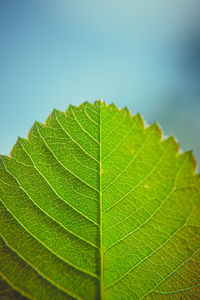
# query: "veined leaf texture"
[[96, 205]]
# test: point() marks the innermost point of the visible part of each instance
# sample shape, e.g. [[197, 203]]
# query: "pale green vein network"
[[94, 205]]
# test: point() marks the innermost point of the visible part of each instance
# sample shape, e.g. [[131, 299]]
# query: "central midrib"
[[100, 199]]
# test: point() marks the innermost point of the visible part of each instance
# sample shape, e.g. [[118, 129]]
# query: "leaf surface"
[[94, 204]]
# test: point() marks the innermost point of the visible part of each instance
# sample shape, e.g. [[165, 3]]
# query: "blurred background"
[[140, 54]]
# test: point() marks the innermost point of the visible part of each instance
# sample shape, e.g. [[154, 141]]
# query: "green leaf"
[[94, 204]]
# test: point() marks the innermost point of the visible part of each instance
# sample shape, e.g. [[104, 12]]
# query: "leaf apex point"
[[19, 138], [35, 123]]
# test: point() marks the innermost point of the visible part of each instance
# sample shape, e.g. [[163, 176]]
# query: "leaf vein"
[[182, 264], [44, 212], [51, 187], [129, 163], [153, 214], [39, 272], [83, 129], [65, 168], [73, 140], [49, 249], [153, 252]]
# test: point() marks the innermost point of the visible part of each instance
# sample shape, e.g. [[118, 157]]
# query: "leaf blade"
[[95, 204]]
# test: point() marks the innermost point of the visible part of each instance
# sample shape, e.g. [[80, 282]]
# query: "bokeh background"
[[140, 54]]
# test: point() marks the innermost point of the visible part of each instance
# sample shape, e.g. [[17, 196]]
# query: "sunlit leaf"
[[96, 205]]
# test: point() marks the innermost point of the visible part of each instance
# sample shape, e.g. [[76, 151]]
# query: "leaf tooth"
[[176, 145], [14, 147], [48, 118], [141, 120], [193, 160], [158, 129], [24, 139], [97, 101]]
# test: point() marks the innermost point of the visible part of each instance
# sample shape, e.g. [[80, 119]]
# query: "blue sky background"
[[140, 54]]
